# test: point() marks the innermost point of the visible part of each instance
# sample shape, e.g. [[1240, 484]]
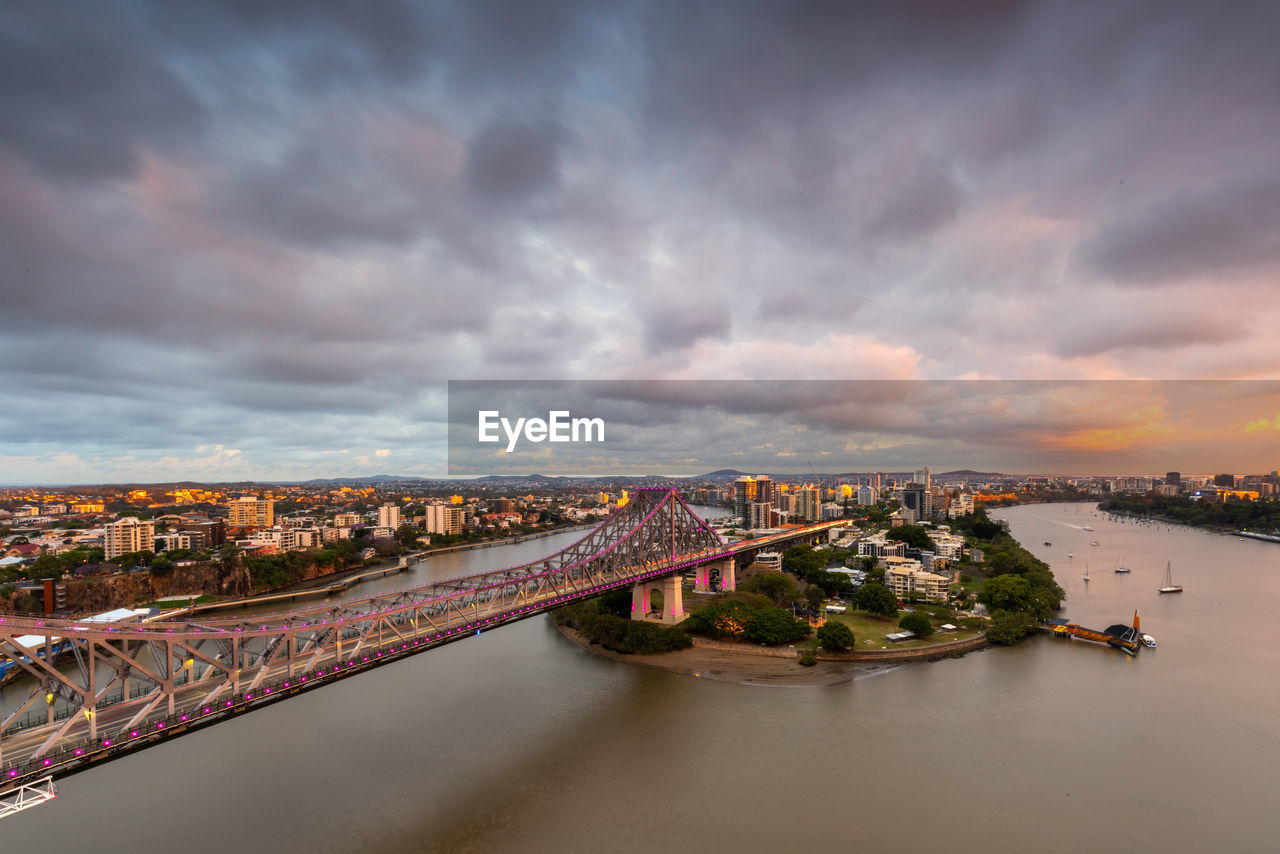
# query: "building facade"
[[128, 535], [250, 512]]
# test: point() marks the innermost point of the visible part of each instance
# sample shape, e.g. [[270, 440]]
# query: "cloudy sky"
[[255, 240]]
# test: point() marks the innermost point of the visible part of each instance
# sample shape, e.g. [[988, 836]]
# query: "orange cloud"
[[1111, 439], [1262, 425]]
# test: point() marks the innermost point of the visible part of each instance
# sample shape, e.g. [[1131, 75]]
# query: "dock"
[[1121, 636]]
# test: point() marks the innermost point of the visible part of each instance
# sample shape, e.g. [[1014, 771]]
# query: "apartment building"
[[250, 512], [128, 535]]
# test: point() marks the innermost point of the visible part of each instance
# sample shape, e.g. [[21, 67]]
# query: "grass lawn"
[[869, 627], [179, 602]]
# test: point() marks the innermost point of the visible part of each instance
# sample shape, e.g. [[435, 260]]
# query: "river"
[[517, 740]]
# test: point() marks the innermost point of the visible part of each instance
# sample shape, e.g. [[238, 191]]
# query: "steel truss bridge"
[[133, 685]]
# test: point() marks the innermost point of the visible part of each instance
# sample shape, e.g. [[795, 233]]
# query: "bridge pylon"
[[666, 607]]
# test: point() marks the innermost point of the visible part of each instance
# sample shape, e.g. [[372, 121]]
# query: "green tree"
[[779, 588], [407, 536], [913, 535], [1007, 593], [917, 623], [876, 599], [1009, 627], [800, 561], [774, 626], [815, 596], [835, 637]]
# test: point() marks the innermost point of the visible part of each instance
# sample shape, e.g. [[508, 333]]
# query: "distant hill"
[[970, 474], [719, 474], [373, 478]]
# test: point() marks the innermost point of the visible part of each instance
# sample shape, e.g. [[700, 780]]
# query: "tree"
[[774, 626], [876, 599], [815, 596], [407, 536], [780, 589], [835, 637], [916, 623], [913, 535], [1007, 593], [1009, 627], [802, 560]]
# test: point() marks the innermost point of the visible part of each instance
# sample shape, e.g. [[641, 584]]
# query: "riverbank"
[[720, 665], [761, 665], [1227, 530]]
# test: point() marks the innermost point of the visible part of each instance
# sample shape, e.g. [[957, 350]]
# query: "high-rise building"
[[866, 496], [808, 503], [921, 477], [744, 492], [759, 514], [250, 512], [129, 535], [1173, 478], [913, 503], [445, 519], [1227, 480], [765, 489], [389, 516]]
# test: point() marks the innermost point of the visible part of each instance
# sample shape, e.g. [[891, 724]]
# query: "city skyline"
[[255, 243]]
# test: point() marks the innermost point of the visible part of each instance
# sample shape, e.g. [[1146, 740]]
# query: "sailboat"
[[1086, 570], [1120, 567], [1169, 586]]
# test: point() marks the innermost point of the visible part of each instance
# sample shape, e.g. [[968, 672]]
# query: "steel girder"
[[129, 685]]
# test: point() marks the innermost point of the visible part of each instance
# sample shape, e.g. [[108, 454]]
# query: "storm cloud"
[[280, 228]]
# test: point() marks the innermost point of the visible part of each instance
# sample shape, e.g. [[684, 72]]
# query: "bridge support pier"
[[728, 575], [671, 608], [702, 578]]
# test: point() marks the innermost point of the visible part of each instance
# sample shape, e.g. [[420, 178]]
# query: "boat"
[[1094, 543], [1087, 528], [1148, 640], [1169, 586], [1120, 567], [1069, 554], [1047, 543], [1086, 570]]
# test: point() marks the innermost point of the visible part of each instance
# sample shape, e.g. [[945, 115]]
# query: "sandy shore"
[[744, 667]]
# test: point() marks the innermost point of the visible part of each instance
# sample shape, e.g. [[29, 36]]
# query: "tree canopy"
[[876, 599], [835, 637], [917, 623], [913, 535]]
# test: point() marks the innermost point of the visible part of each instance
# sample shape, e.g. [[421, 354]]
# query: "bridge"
[[122, 687]]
